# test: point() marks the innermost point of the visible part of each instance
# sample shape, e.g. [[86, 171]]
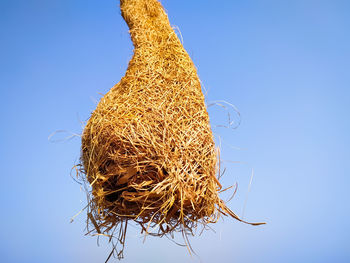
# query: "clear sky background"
[[284, 64]]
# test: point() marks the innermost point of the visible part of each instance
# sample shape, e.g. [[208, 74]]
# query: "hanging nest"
[[148, 151]]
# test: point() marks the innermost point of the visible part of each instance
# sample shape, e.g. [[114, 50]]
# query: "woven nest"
[[148, 151]]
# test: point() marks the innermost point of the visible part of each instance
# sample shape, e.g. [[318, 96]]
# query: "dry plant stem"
[[148, 150]]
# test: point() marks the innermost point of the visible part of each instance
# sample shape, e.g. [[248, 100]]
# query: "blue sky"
[[283, 64]]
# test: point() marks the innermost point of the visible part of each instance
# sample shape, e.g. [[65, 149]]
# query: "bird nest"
[[148, 152]]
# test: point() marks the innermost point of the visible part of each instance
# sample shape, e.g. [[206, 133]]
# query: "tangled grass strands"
[[148, 152]]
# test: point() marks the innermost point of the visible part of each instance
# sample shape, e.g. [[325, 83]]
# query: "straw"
[[148, 151]]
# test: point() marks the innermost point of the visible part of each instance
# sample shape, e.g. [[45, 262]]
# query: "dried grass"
[[148, 150]]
